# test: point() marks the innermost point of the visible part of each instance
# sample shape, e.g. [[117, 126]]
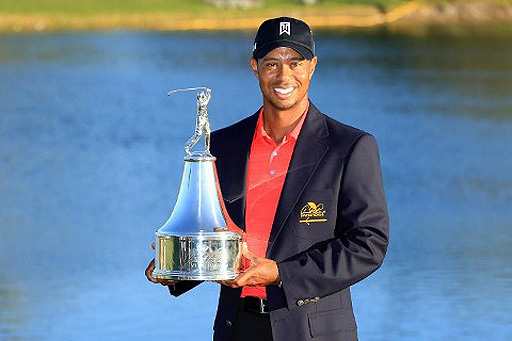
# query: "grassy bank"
[[33, 15], [93, 7]]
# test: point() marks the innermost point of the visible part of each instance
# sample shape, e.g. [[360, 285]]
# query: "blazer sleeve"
[[361, 233], [182, 287]]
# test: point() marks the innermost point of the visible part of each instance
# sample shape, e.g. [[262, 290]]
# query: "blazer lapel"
[[309, 151]]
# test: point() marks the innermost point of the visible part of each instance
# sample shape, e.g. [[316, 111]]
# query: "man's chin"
[[284, 105]]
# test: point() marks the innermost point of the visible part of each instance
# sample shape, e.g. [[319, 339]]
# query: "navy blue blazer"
[[330, 230]]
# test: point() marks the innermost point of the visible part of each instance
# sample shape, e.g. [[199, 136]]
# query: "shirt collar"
[[294, 134]]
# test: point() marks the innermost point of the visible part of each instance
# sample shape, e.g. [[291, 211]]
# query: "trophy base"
[[180, 276], [213, 256]]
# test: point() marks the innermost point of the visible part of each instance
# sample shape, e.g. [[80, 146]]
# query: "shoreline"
[[414, 15]]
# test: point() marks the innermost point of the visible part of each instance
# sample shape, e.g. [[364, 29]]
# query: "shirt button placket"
[[272, 162]]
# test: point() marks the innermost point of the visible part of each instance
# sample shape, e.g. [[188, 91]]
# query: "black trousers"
[[250, 326]]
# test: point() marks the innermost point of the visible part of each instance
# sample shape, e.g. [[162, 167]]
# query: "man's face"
[[284, 77]]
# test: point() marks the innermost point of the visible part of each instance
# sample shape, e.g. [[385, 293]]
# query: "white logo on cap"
[[284, 27], [254, 47]]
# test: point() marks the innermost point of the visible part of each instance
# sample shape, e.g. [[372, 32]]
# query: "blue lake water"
[[91, 158]]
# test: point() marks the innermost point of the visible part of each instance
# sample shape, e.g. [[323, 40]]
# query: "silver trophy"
[[199, 241]]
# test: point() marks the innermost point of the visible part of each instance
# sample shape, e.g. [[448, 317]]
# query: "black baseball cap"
[[284, 32]]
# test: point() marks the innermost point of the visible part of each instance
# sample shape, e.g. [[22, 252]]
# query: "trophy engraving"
[[199, 241]]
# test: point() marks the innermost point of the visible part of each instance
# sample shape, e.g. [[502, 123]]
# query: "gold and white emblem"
[[312, 213]]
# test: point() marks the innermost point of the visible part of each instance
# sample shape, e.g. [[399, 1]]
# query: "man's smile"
[[283, 92]]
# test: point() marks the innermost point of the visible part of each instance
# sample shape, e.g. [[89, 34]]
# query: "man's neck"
[[278, 123]]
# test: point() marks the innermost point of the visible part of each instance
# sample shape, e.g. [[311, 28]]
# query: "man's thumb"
[[248, 254]]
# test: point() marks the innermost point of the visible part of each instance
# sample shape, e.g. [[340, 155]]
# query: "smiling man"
[[308, 193]]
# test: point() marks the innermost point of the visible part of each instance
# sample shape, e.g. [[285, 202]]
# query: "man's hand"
[[149, 275], [262, 272]]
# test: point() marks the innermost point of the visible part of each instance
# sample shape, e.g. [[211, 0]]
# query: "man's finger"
[[149, 272], [166, 282], [227, 283], [232, 283], [248, 254], [244, 278]]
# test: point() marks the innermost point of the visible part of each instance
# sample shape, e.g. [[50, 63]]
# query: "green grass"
[[497, 2], [87, 7], [170, 6], [97, 6]]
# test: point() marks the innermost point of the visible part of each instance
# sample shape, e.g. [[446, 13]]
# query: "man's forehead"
[[283, 53]]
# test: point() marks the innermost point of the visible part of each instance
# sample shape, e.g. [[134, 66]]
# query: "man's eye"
[[295, 64], [271, 64]]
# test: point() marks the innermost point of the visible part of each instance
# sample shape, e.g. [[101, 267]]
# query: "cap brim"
[[262, 51]]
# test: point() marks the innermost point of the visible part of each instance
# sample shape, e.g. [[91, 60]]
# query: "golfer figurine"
[[202, 124]]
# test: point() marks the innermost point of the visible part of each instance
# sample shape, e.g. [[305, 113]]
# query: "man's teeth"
[[283, 91]]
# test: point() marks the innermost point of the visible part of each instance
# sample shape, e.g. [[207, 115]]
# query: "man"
[[307, 191]]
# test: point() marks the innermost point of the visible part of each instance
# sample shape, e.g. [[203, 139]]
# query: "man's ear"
[[313, 66], [254, 66]]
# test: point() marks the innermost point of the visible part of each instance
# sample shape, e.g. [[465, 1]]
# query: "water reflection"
[[91, 159], [459, 76]]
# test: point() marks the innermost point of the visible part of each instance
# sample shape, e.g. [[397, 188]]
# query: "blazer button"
[[229, 323], [300, 303]]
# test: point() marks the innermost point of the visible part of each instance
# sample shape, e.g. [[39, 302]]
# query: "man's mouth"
[[284, 91]]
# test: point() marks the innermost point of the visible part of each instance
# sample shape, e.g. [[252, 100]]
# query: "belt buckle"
[[262, 306], [255, 305]]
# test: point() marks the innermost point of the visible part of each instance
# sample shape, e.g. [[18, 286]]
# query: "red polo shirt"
[[268, 165]]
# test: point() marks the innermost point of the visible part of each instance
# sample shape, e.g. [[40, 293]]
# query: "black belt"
[[254, 305]]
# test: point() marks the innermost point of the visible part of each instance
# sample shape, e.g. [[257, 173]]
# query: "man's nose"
[[284, 72]]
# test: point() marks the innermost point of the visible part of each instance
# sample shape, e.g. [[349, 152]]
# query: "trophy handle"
[[202, 123]]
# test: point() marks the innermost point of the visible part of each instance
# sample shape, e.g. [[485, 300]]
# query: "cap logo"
[[284, 27]]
